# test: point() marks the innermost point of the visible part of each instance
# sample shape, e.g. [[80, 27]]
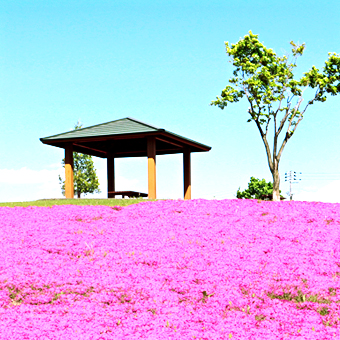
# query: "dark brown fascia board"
[[80, 149], [169, 137], [98, 139], [185, 141]]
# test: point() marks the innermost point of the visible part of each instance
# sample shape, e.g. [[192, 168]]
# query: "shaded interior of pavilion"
[[125, 138]]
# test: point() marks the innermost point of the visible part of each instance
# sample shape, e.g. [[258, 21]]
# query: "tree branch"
[[275, 139], [282, 96], [270, 162], [283, 121], [267, 126], [253, 113], [250, 102], [301, 114], [289, 135], [283, 145]]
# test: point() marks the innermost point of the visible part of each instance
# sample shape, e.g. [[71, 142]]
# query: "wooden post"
[[151, 152], [110, 175], [69, 187], [187, 174]]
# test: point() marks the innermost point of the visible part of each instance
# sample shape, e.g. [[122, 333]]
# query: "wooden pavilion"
[[125, 137]]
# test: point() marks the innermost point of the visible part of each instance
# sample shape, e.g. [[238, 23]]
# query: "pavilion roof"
[[125, 137]]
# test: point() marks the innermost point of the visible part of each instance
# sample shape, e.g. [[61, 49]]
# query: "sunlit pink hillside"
[[199, 269]]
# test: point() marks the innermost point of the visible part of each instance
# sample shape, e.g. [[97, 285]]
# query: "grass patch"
[[82, 201], [300, 297]]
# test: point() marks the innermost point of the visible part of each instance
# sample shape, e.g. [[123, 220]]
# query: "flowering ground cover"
[[230, 269]]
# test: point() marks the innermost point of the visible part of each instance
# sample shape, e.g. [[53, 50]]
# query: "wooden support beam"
[[110, 175], [92, 149], [69, 186], [151, 152], [169, 141], [187, 174]]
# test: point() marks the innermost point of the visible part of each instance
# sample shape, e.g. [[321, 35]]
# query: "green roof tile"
[[116, 127]]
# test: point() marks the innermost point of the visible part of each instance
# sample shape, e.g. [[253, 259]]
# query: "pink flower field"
[[199, 269]]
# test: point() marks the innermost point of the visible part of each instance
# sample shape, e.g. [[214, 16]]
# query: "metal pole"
[[289, 176], [290, 190]]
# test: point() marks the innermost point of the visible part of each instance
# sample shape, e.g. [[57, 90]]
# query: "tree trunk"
[[78, 194], [276, 181]]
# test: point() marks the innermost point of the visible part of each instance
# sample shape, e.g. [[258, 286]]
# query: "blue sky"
[[161, 62]]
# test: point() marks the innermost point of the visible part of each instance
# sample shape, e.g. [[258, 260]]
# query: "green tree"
[[85, 178], [256, 189], [267, 82]]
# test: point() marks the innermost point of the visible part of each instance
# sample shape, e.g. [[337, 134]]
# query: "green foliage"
[[265, 79], [85, 178], [256, 189]]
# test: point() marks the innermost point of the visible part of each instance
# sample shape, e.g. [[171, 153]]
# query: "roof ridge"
[[140, 122]]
